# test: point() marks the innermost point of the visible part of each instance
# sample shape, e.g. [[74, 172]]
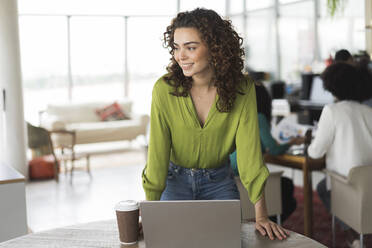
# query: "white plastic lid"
[[128, 205]]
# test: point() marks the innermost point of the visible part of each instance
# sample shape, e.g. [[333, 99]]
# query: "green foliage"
[[334, 6]]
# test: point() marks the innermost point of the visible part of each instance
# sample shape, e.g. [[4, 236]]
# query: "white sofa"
[[81, 120]]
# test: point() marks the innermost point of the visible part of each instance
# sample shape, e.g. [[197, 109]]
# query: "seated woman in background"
[[344, 131], [271, 146], [344, 55]]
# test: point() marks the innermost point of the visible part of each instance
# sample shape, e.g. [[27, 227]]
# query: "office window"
[[97, 58], [260, 41], [289, 1], [345, 30], [216, 5], [236, 7], [97, 48], [43, 45], [98, 7], [237, 22], [147, 59], [253, 4], [296, 36]]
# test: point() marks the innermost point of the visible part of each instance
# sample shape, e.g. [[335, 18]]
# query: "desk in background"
[[313, 97], [105, 234], [308, 111]]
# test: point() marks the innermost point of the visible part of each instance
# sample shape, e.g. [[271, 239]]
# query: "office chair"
[[40, 143], [351, 200], [277, 90], [273, 197]]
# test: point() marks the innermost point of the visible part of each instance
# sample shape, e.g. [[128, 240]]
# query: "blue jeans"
[[200, 184]]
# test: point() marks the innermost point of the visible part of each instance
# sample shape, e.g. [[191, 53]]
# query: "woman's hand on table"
[[297, 141], [266, 227]]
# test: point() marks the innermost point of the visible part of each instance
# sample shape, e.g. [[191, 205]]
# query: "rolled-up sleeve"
[[253, 172], [155, 173]]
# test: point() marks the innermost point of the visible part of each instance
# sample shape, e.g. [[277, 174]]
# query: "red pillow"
[[111, 112]]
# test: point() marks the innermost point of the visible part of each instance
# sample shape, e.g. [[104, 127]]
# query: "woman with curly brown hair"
[[201, 111]]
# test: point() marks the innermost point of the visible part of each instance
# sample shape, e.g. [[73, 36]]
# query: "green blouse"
[[176, 135]]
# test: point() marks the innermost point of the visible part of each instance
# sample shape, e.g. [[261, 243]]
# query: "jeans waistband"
[[192, 171]]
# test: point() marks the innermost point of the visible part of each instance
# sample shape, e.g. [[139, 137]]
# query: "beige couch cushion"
[[93, 132], [83, 112]]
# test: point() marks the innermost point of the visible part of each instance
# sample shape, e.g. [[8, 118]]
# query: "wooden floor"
[[115, 177]]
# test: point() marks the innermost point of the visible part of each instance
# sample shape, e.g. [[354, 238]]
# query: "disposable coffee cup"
[[127, 214]]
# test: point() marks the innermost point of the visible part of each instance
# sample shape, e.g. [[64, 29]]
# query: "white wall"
[[13, 143], [2, 130]]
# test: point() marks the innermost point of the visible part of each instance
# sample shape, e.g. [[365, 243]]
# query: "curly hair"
[[225, 48], [343, 55], [347, 82]]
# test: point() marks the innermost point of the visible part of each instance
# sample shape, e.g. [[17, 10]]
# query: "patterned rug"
[[322, 228]]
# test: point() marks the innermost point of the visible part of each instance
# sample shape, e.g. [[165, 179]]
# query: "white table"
[[13, 219], [105, 234]]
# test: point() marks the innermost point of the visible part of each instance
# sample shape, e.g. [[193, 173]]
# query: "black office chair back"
[[277, 89]]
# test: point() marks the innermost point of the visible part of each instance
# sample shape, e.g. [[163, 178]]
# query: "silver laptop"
[[191, 224]]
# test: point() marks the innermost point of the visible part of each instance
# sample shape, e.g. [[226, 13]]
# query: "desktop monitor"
[[312, 99], [318, 94], [312, 90], [306, 81]]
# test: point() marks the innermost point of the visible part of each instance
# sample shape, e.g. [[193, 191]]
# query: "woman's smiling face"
[[190, 52]]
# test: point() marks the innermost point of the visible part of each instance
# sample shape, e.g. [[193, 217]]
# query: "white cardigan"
[[344, 134]]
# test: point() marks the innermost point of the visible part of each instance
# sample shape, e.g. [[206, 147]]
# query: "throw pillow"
[[111, 112]]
